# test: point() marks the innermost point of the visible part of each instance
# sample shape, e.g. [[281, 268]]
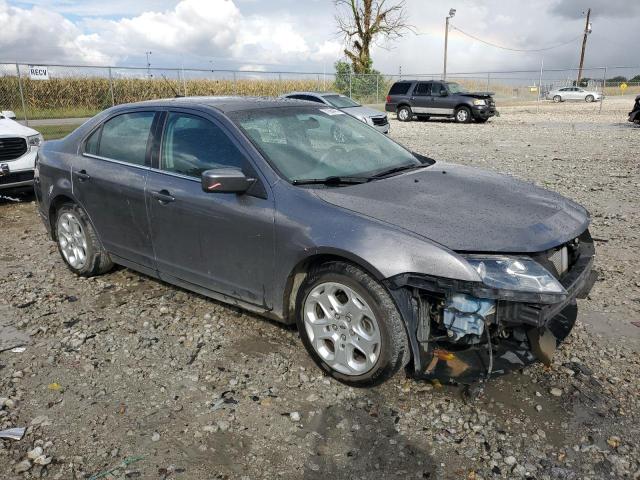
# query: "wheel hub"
[[342, 328]]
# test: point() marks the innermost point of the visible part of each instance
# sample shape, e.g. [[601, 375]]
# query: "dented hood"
[[467, 209]]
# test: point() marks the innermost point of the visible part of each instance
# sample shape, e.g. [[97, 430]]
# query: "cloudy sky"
[[300, 35]]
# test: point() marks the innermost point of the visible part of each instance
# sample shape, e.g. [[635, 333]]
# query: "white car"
[[18, 149], [574, 93]]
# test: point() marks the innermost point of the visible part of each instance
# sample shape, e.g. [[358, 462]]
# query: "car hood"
[[467, 209], [10, 128], [477, 94], [363, 112]]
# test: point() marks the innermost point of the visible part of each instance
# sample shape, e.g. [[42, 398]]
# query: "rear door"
[[223, 242], [420, 98], [109, 181]]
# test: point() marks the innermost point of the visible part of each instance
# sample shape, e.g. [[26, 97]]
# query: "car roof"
[[319, 94], [224, 104]]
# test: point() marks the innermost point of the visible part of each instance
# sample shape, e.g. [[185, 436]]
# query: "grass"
[[53, 132]]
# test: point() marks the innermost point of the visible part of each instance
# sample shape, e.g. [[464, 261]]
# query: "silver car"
[[374, 118], [574, 93]]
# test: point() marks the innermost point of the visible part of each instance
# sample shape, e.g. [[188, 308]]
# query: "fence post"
[[488, 80], [24, 108], [540, 86], [350, 85], [377, 88], [235, 84], [113, 98], [604, 85]]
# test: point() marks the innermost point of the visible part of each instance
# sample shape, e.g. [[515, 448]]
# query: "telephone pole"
[[587, 31], [452, 13]]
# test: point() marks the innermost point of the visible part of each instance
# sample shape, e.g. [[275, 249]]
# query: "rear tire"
[[78, 242], [405, 114], [557, 99], [462, 115], [340, 308], [589, 98]]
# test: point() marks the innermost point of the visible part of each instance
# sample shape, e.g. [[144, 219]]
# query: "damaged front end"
[[524, 307]]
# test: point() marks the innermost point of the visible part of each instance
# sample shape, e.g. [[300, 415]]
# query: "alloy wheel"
[[72, 240], [342, 328], [462, 116]]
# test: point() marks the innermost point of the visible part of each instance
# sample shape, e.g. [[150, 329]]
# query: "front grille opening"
[[12, 148]]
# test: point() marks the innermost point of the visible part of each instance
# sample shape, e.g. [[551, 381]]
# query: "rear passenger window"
[[422, 89], [399, 88], [191, 145], [125, 137]]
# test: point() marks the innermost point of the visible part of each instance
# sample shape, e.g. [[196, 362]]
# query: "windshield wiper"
[[401, 168], [333, 180]]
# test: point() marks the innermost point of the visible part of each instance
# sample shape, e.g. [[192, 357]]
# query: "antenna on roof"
[[175, 92]]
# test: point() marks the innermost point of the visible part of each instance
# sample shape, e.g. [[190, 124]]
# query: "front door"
[[109, 181], [223, 242], [442, 102]]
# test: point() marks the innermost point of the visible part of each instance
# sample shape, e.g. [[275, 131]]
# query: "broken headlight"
[[515, 273]]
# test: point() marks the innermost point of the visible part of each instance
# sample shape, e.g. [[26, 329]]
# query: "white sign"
[[38, 72]]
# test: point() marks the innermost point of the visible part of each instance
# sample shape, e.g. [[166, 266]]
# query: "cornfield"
[[94, 93]]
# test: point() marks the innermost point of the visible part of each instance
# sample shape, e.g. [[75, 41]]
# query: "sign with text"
[[37, 72]]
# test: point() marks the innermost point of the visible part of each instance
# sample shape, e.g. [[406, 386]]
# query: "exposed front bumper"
[[514, 319], [483, 112]]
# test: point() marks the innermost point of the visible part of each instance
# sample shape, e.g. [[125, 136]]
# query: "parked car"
[[374, 118], [18, 149], [426, 99], [574, 93], [634, 114], [380, 256]]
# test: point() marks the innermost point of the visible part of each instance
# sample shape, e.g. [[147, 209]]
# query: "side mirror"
[[444, 93], [225, 180]]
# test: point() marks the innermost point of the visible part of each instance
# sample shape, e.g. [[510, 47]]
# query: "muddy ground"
[[126, 377]]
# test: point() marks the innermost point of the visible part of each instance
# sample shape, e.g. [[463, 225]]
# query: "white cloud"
[[196, 30]]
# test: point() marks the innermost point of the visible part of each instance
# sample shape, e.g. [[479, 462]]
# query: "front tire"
[[350, 325], [405, 114], [462, 115], [589, 98], [557, 99], [78, 242]]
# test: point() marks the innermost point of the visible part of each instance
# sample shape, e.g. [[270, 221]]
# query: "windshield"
[[318, 143], [340, 101], [456, 88]]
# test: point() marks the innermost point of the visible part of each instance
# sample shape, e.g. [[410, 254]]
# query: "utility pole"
[[452, 13], [587, 31]]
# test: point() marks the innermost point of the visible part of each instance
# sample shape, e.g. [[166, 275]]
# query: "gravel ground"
[[126, 375]]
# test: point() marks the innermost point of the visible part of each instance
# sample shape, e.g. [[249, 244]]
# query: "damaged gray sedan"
[[384, 258]]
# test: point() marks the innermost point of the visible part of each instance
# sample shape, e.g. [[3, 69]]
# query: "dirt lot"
[[127, 375]]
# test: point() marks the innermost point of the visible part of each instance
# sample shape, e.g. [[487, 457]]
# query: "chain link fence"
[[70, 94]]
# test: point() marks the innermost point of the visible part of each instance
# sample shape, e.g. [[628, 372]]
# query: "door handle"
[[83, 176], [163, 196]]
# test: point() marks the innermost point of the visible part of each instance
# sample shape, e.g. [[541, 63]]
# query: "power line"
[[515, 49]]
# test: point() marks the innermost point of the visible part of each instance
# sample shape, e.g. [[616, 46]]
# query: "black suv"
[[424, 99]]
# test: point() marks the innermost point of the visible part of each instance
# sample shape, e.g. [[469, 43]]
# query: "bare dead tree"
[[363, 22]]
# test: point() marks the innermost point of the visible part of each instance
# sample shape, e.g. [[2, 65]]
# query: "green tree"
[[617, 79], [635, 79]]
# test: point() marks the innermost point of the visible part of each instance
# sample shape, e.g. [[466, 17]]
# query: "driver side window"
[[192, 144]]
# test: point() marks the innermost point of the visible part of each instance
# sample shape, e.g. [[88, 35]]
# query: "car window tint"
[[91, 145], [191, 145], [125, 137], [313, 99], [438, 88], [399, 88], [422, 88]]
